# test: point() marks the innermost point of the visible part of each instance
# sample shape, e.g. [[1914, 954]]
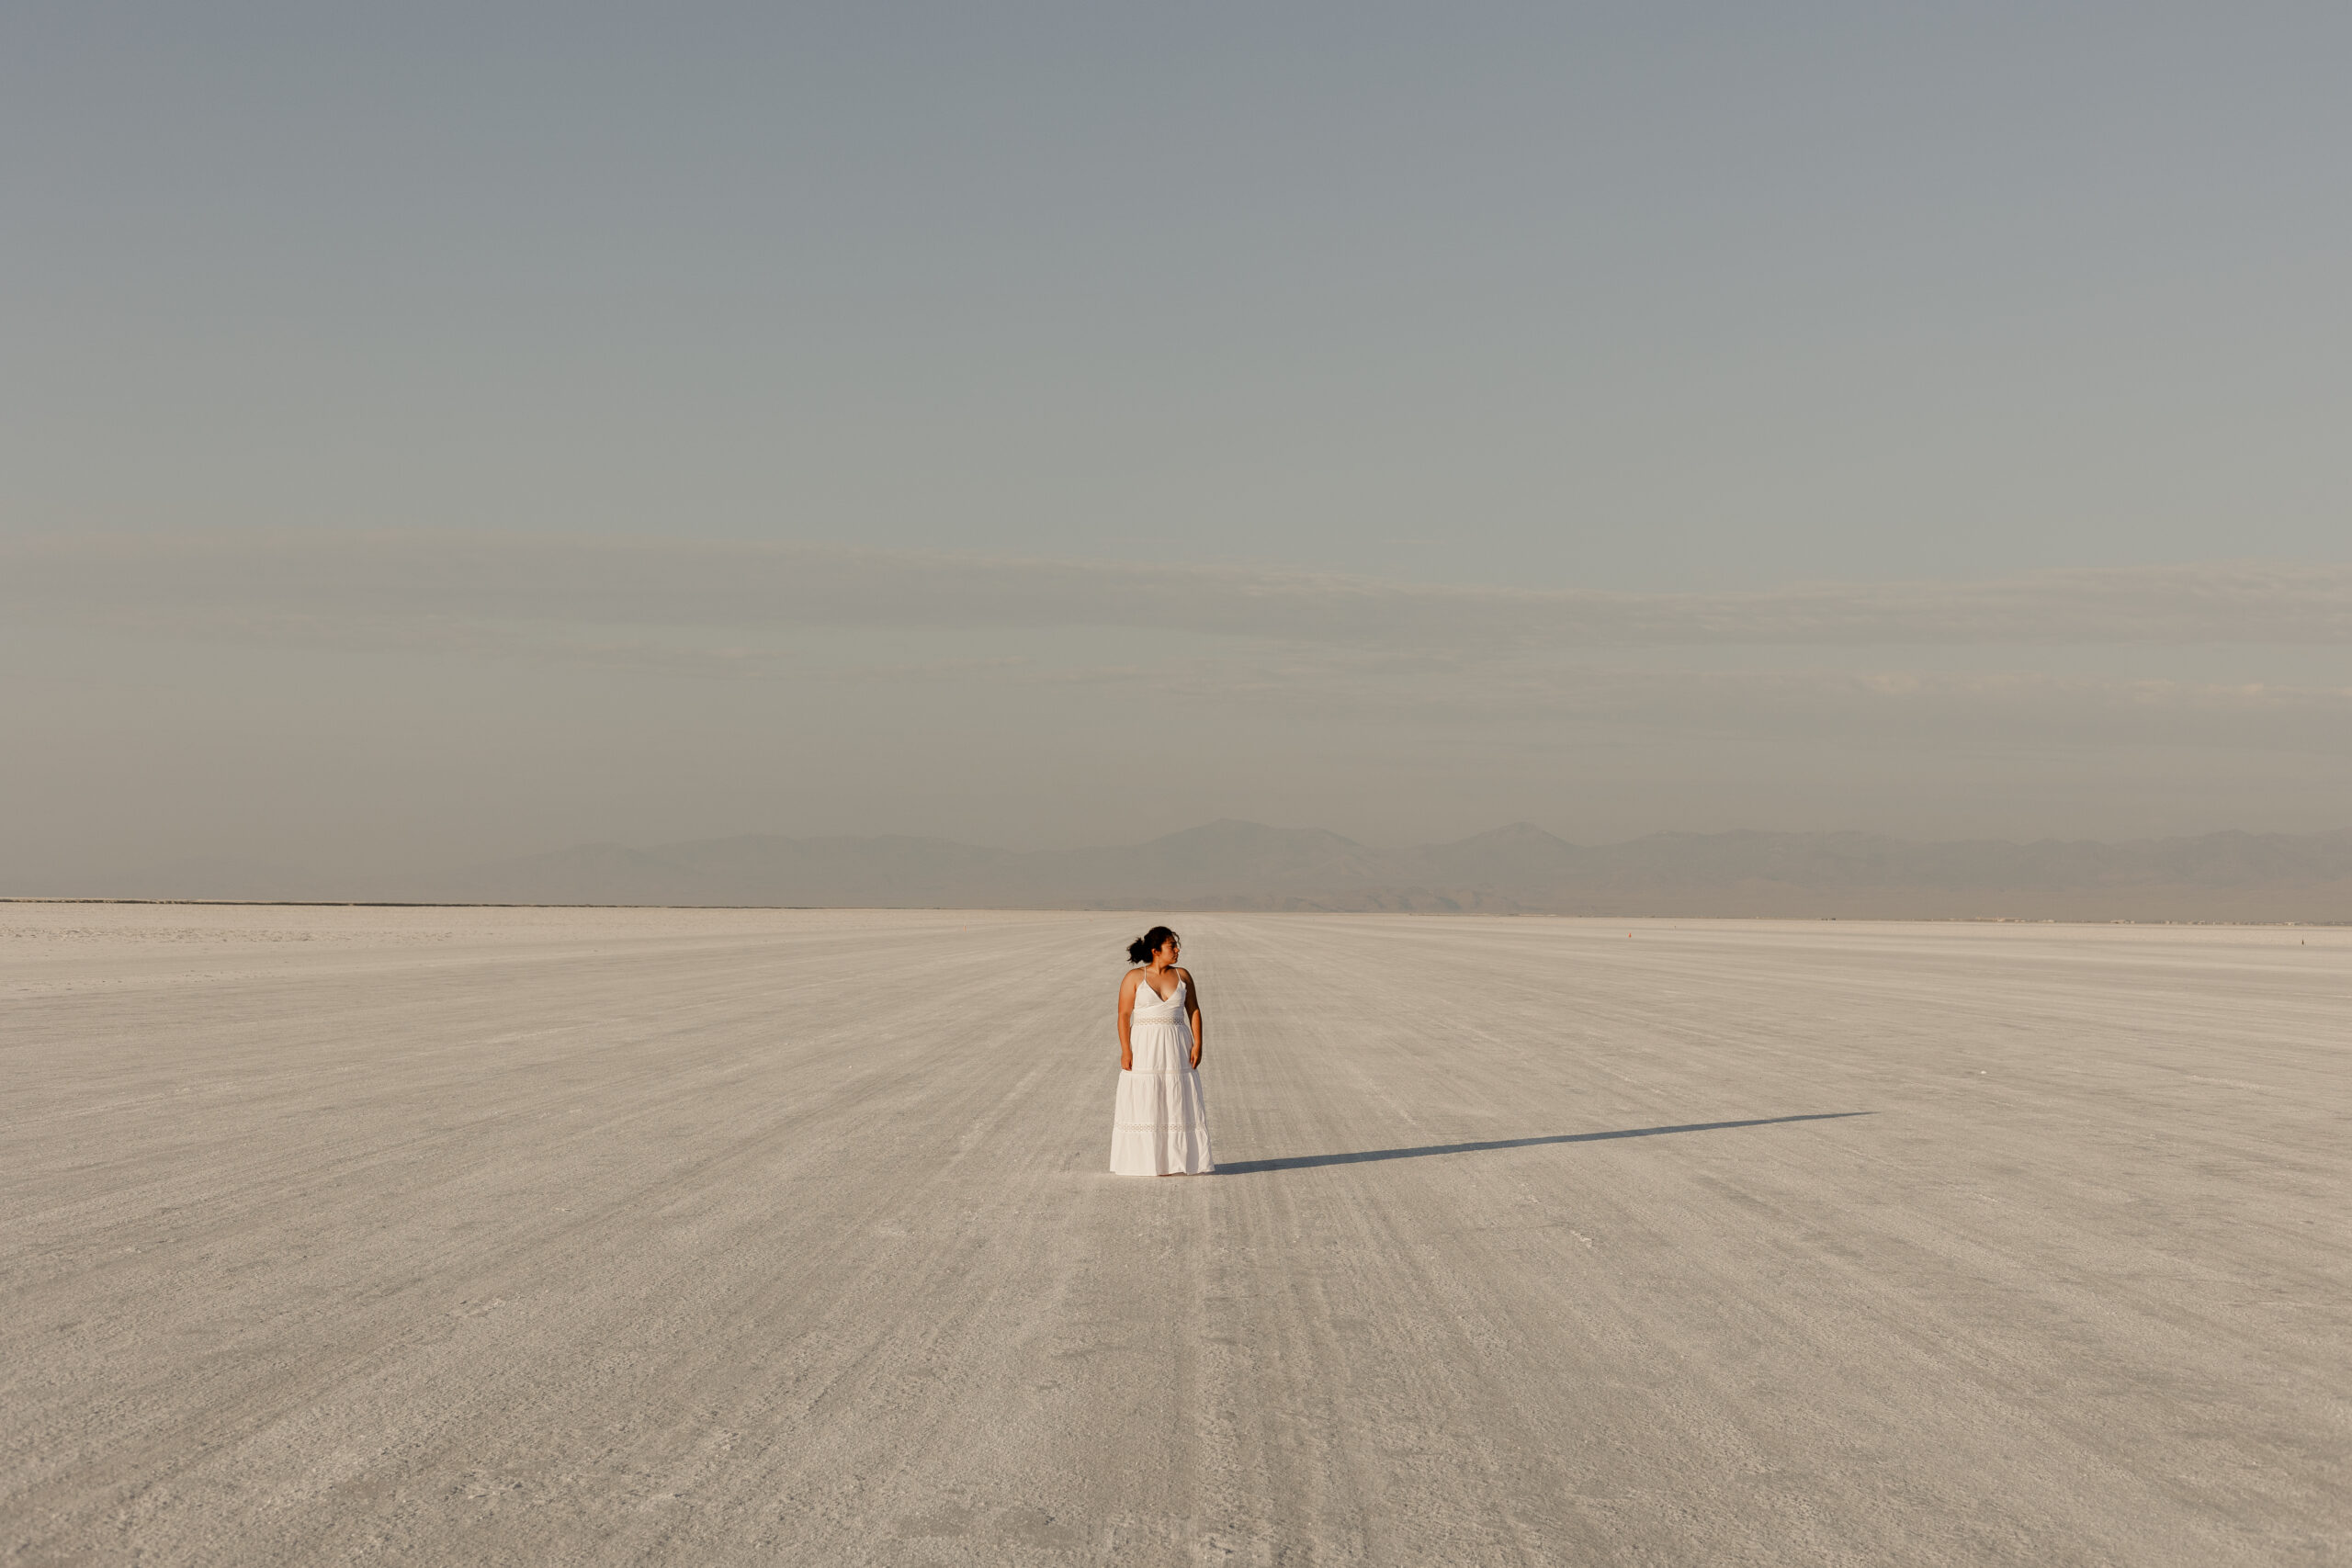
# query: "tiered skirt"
[[1160, 1125]]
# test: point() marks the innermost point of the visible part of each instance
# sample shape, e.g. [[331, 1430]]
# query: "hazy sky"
[[448, 431]]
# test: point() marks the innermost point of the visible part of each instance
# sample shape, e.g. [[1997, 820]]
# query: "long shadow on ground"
[[1300, 1162]]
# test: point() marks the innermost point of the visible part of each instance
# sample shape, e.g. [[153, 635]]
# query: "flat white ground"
[[469, 1236]]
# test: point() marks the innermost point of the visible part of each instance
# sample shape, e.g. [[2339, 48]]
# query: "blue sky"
[[1642, 299]]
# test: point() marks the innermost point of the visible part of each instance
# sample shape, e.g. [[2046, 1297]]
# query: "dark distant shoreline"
[[985, 908], [2217, 878]]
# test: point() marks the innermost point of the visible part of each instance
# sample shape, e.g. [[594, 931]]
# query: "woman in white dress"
[[1160, 1125]]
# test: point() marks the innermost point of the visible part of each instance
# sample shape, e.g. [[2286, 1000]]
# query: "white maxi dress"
[[1160, 1124]]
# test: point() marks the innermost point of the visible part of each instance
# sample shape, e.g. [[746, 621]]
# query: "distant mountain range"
[[1517, 869]]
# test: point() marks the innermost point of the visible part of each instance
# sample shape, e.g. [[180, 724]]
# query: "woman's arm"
[[1193, 1008], [1127, 1016]]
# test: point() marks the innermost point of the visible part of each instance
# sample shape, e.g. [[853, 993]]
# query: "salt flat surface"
[[533, 1236]]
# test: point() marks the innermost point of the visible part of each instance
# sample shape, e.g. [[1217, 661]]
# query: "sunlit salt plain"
[[605, 1237]]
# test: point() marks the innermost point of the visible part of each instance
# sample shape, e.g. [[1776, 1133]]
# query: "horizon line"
[[1072, 910]]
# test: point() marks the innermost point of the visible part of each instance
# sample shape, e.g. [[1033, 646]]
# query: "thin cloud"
[[168, 585], [1928, 708]]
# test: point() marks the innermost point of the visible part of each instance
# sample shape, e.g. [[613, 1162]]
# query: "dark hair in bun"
[[1140, 950]]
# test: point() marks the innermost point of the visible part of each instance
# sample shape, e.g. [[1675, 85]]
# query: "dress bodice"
[[1152, 1008]]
